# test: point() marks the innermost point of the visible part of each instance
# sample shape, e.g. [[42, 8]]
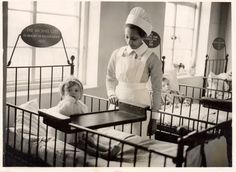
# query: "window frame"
[[196, 25], [80, 73]]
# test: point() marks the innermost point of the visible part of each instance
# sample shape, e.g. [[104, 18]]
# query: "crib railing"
[[30, 148], [25, 82], [189, 114], [215, 65], [33, 133], [214, 87]]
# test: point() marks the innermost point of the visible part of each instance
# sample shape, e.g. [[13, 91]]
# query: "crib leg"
[[180, 151]]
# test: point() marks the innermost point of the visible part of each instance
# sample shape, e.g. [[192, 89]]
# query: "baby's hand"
[[70, 99]]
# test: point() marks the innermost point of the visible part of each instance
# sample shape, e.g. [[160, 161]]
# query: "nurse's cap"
[[138, 17]]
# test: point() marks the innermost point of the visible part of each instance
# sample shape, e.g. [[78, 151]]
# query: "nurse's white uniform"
[[129, 70]]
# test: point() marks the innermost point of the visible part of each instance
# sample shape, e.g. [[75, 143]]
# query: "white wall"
[[215, 21], [228, 34], [220, 26]]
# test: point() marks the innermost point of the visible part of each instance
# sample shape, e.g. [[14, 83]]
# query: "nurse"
[[131, 66]]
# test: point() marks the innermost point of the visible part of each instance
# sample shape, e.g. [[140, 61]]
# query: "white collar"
[[139, 51]]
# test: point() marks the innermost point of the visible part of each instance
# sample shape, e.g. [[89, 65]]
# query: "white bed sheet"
[[25, 142], [128, 151]]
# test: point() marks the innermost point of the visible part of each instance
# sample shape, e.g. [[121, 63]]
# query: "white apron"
[[129, 72]]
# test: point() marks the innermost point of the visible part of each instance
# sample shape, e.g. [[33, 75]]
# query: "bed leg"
[[179, 158], [180, 151], [227, 132]]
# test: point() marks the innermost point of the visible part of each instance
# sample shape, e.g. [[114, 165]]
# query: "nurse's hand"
[[152, 127], [113, 99]]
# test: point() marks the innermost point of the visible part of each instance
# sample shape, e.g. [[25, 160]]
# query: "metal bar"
[[99, 104], [30, 123], [51, 87], [135, 156], [85, 148], [141, 126], [74, 162], [40, 86], [165, 161], [38, 128], [97, 152], [16, 71], [91, 104], [226, 63], [46, 144], [15, 128], [149, 159], [72, 65], [22, 131], [65, 50], [37, 66], [9, 62], [109, 153], [131, 127], [205, 74], [62, 73], [28, 85], [121, 155], [8, 123], [198, 116], [55, 149], [190, 110], [64, 151]]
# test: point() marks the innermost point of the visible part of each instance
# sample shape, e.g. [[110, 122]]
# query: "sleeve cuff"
[[156, 115]]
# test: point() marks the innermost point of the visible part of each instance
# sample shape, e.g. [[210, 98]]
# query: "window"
[[180, 33], [65, 16]]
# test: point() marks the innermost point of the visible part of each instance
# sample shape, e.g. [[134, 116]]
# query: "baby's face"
[[73, 91], [165, 86]]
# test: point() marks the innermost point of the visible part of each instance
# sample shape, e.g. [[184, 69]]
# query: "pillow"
[[172, 77], [33, 106]]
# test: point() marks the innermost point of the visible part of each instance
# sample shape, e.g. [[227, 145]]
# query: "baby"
[[71, 92], [168, 96]]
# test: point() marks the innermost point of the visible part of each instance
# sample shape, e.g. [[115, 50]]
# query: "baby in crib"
[[169, 96], [71, 92]]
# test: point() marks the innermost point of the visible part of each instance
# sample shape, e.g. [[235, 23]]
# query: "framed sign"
[[41, 35], [153, 40]]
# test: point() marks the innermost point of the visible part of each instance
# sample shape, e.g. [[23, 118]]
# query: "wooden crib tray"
[[127, 113]]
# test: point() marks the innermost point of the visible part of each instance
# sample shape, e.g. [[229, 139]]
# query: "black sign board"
[[218, 43], [41, 35], [153, 40]]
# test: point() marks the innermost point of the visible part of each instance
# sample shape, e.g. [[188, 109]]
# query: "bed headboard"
[[217, 64], [28, 82]]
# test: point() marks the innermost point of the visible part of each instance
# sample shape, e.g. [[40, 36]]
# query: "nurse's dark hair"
[[140, 31]]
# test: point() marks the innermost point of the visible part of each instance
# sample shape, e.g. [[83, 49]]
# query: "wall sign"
[[41, 35], [218, 43], [153, 40]]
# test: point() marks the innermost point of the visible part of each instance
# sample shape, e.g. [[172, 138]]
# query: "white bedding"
[[128, 151], [195, 111], [24, 143]]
